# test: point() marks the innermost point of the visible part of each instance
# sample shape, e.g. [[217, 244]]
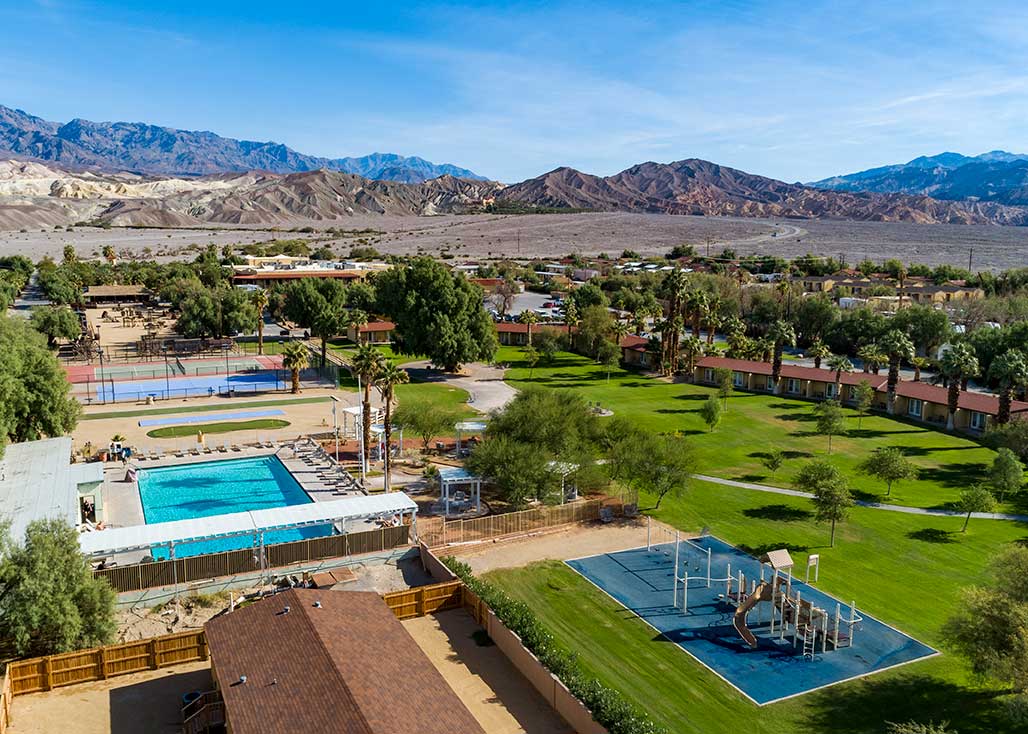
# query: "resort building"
[[515, 334], [105, 295], [265, 272], [915, 400], [311, 660], [373, 332], [635, 351], [39, 482], [913, 291]]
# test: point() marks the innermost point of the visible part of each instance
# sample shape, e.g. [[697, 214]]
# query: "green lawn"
[[756, 423], [906, 570], [210, 428], [345, 348], [199, 408]]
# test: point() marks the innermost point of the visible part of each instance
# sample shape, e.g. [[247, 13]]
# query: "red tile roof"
[[975, 401], [635, 343], [293, 274], [486, 282], [346, 666], [377, 326]]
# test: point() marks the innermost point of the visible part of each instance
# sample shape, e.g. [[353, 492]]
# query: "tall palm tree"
[[896, 346], [713, 316], [674, 289], [571, 316], [781, 333], [871, 356], [839, 363], [1010, 370], [959, 364], [819, 351], [620, 330], [388, 378], [295, 357], [919, 363], [528, 318], [260, 302], [734, 325], [366, 365], [698, 305], [692, 348], [357, 318]]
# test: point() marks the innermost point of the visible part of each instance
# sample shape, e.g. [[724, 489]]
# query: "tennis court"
[[173, 367], [643, 580]]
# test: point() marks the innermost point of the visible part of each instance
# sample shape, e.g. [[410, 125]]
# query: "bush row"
[[609, 708]]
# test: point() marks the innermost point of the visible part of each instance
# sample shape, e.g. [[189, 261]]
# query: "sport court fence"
[[141, 576]]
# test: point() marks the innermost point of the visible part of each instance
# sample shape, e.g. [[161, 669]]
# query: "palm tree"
[[260, 302], [819, 351], [674, 290], [1010, 370], [839, 363], [698, 306], [357, 318], [528, 318], [295, 357], [919, 363], [871, 356], [366, 365], [734, 325], [692, 348], [781, 333], [571, 316], [896, 346], [109, 254], [713, 317], [959, 363], [620, 330], [388, 378]]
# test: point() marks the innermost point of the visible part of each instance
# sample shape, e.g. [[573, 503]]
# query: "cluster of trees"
[[15, 271]]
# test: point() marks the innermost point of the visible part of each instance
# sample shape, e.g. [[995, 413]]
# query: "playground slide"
[[763, 592]]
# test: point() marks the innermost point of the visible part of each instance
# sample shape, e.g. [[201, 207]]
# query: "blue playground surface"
[[643, 581], [209, 417], [192, 386]]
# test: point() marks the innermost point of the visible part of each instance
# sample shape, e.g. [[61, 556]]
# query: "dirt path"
[[484, 384]]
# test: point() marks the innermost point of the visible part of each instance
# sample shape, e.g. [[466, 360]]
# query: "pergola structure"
[[564, 469], [455, 476], [468, 427], [378, 435], [253, 523]]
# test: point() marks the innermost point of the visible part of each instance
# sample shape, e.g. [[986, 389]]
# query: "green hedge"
[[609, 708]]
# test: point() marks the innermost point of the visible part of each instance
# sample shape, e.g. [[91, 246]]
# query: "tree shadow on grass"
[[932, 535], [778, 513], [954, 475], [786, 454], [758, 550], [800, 417], [696, 397], [867, 705], [876, 432]]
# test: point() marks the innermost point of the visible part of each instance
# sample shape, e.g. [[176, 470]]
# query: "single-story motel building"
[[914, 400], [373, 332], [515, 334]]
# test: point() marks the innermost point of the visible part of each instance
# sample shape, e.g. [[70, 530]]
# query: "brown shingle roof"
[[348, 666], [377, 326], [109, 291]]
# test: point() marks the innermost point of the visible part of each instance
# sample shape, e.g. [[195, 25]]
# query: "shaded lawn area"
[[904, 569], [212, 428], [232, 405], [754, 424], [346, 349]]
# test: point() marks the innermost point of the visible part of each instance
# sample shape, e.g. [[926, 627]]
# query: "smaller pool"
[[219, 488]]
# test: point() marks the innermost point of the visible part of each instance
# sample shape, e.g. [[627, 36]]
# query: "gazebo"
[[455, 476], [378, 435], [468, 427]]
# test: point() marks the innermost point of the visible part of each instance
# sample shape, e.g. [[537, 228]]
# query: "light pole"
[[363, 448], [167, 381], [335, 424]]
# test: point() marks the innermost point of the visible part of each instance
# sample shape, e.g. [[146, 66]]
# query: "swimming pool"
[[218, 488]]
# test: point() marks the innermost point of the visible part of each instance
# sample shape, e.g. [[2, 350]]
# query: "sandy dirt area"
[[498, 696], [573, 541], [142, 702]]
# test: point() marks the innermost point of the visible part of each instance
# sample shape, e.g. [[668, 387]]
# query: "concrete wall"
[[556, 694], [434, 566]]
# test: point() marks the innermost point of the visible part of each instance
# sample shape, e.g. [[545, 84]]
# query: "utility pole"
[[970, 258]]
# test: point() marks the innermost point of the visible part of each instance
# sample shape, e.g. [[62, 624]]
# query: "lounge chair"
[[179, 452], [235, 447], [207, 449], [196, 450], [222, 447]]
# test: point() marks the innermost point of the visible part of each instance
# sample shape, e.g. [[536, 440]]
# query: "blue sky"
[[792, 90]]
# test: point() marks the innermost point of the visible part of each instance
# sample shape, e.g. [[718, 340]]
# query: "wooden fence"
[[82, 666], [230, 563], [5, 701], [442, 532], [424, 600]]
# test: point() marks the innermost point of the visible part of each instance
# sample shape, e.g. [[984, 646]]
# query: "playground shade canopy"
[[140, 537], [779, 560]]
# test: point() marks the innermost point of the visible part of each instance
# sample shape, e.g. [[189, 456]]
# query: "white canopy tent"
[[256, 523], [450, 476]]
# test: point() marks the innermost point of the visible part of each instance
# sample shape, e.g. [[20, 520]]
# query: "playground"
[[766, 632]]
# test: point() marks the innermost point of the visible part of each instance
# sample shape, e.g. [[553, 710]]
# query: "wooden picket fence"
[[5, 701], [83, 666], [424, 600], [234, 562], [446, 532]]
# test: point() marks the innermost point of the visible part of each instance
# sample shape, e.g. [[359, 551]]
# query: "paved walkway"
[[484, 384], [863, 503]]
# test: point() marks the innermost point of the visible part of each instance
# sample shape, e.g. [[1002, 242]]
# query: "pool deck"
[[123, 506]]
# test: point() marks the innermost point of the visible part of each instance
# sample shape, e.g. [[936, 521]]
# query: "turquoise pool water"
[[219, 488]]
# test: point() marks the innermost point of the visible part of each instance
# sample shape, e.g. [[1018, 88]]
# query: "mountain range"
[[152, 150], [996, 176], [144, 175]]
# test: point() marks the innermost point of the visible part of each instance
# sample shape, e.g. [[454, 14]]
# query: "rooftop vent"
[[317, 604], [242, 679]]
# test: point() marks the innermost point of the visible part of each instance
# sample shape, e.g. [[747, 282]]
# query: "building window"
[[978, 421], [708, 375], [770, 386], [738, 379], [915, 407], [793, 386], [830, 390]]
